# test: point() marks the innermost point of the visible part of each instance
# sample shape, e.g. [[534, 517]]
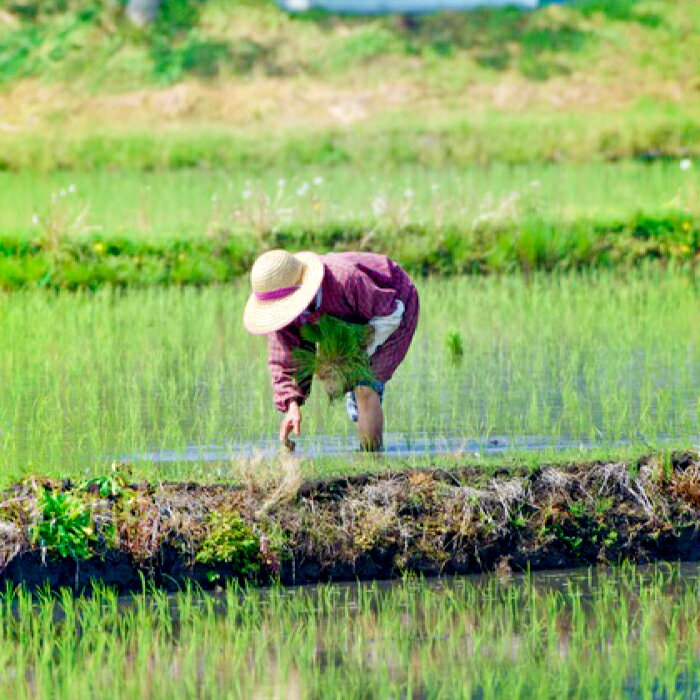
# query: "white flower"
[[303, 189], [62, 193], [246, 194], [281, 183], [535, 183], [686, 164], [408, 193], [72, 189], [214, 198], [318, 180], [379, 205], [35, 219]]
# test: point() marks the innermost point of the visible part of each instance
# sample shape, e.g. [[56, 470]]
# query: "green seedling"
[[613, 632], [339, 358], [454, 346]]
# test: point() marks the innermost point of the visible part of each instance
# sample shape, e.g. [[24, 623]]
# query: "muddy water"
[[396, 445], [585, 586], [624, 632], [584, 581]]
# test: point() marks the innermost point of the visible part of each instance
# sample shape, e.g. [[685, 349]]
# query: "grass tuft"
[[454, 345], [339, 358]]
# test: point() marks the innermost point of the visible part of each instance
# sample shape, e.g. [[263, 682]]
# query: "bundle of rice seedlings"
[[340, 357]]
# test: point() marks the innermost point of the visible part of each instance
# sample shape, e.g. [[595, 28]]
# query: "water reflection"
[[396, 445]]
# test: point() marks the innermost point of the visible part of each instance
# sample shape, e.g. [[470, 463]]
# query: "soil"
[[368, 526]]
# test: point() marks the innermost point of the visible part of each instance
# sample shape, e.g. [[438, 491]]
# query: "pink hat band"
[[276, 293]]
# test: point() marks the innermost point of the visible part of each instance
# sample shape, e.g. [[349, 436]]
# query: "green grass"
[[91, 40], [247, 83], [172, 205], [71, 230], [96, 376], [610, 634], [658, 130]]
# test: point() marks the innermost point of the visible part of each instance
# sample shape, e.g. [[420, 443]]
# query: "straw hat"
[[283, 286]]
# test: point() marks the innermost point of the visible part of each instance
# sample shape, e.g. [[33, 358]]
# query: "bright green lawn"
[[87, 378]]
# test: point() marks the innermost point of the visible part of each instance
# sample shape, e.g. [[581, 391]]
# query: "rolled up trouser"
[[391, 353]]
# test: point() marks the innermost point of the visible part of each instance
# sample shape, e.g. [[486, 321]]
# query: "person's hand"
[[290, 423]]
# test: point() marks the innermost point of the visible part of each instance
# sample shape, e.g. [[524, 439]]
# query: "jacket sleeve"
[[283, 366], [369, 300]]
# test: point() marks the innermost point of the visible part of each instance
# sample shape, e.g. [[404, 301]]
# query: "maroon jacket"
[[356, 287]]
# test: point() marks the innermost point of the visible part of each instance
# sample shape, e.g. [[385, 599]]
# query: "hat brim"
[[262, 317]]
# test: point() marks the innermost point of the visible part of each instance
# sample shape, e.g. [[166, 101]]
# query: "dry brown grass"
[[686, 485], [287, 104], [270, 483]]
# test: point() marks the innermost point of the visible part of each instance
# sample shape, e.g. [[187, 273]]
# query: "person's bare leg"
[[370, 418]]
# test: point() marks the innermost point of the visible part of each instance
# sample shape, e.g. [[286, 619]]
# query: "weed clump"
[[64, 526], [337, 356], [231, 541]]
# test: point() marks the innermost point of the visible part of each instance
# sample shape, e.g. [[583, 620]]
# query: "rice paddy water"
[[170, 380], [623, 633]]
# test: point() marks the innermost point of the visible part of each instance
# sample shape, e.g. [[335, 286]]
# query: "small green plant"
[[339, 358], [64, 526], [578, 510], [107, 485], [454, 346], [231, 541]]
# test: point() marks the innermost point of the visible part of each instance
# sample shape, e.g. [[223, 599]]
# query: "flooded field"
[[395, 445], [170, 380], [613, 633]]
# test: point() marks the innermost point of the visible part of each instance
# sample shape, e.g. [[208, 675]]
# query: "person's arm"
[[289, 394]]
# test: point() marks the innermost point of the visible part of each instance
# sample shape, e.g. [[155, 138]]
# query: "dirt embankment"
[[361, 527]]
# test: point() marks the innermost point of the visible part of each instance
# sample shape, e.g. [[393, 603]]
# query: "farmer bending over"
[[364, 288]]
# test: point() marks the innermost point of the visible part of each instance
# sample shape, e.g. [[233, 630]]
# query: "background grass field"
[[74, 230], [190, 205], [245, 84]]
